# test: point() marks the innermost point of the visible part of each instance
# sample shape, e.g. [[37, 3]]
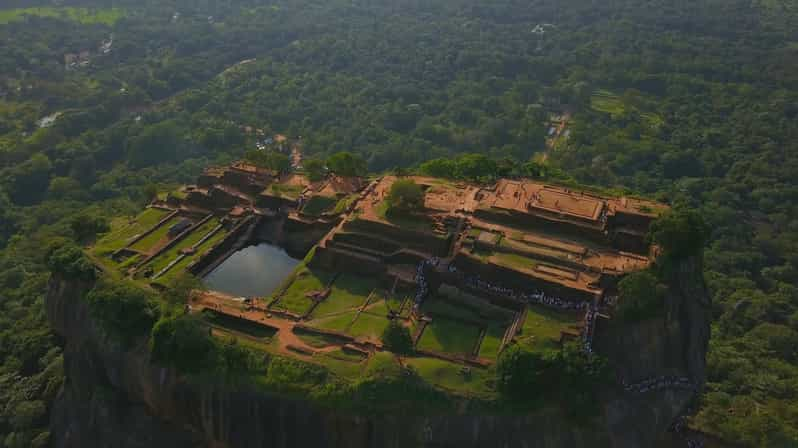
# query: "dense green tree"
[[125, 311], [314, 168], [28, 182], [185, 343], [86, 226], [347, 164], [396, 338], [68, 260], [181, 287], [158, 143], [405, 196], [679, 233], [270, 160]]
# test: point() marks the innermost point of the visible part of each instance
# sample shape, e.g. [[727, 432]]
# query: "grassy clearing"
[[449, 336], [610, 103], [607, 102], [307, 280], [318, 205], [190, 240], [148, 242], [440, 306], [339, 322], [453, 377], [514, 261], [492, 342], [369, 326], [542, 326], [291, 192], [124, 229], [378, 307], [86, 16], [348, 291]]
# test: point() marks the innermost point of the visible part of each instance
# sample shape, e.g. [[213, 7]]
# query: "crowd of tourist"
[[679, 427], [659, 383], [421, 279], [587, 329], [538, 298]]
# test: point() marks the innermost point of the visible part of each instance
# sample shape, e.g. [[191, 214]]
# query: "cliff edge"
[[119, 398]]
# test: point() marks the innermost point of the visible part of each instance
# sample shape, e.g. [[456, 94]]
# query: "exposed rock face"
[[117, 398]]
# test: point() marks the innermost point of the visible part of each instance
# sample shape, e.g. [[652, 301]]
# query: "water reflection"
[[255, 271]]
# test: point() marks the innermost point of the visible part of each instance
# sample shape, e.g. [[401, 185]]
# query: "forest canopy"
[[693, 103]]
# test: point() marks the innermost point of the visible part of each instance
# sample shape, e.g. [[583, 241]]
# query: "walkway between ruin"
[[285, 335]]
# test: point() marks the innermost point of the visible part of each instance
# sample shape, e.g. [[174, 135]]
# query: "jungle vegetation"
[[694, 103]]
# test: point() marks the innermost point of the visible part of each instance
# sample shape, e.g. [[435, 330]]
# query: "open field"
[[449, 336], [542, 326], [338, 322], [86, 16], [491, 343], [610, 103], [369, 326], [348, 291]]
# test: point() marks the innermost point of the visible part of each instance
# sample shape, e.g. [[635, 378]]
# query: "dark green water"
[[255, 271]]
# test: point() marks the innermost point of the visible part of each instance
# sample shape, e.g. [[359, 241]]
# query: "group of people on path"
[[659, 383]]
